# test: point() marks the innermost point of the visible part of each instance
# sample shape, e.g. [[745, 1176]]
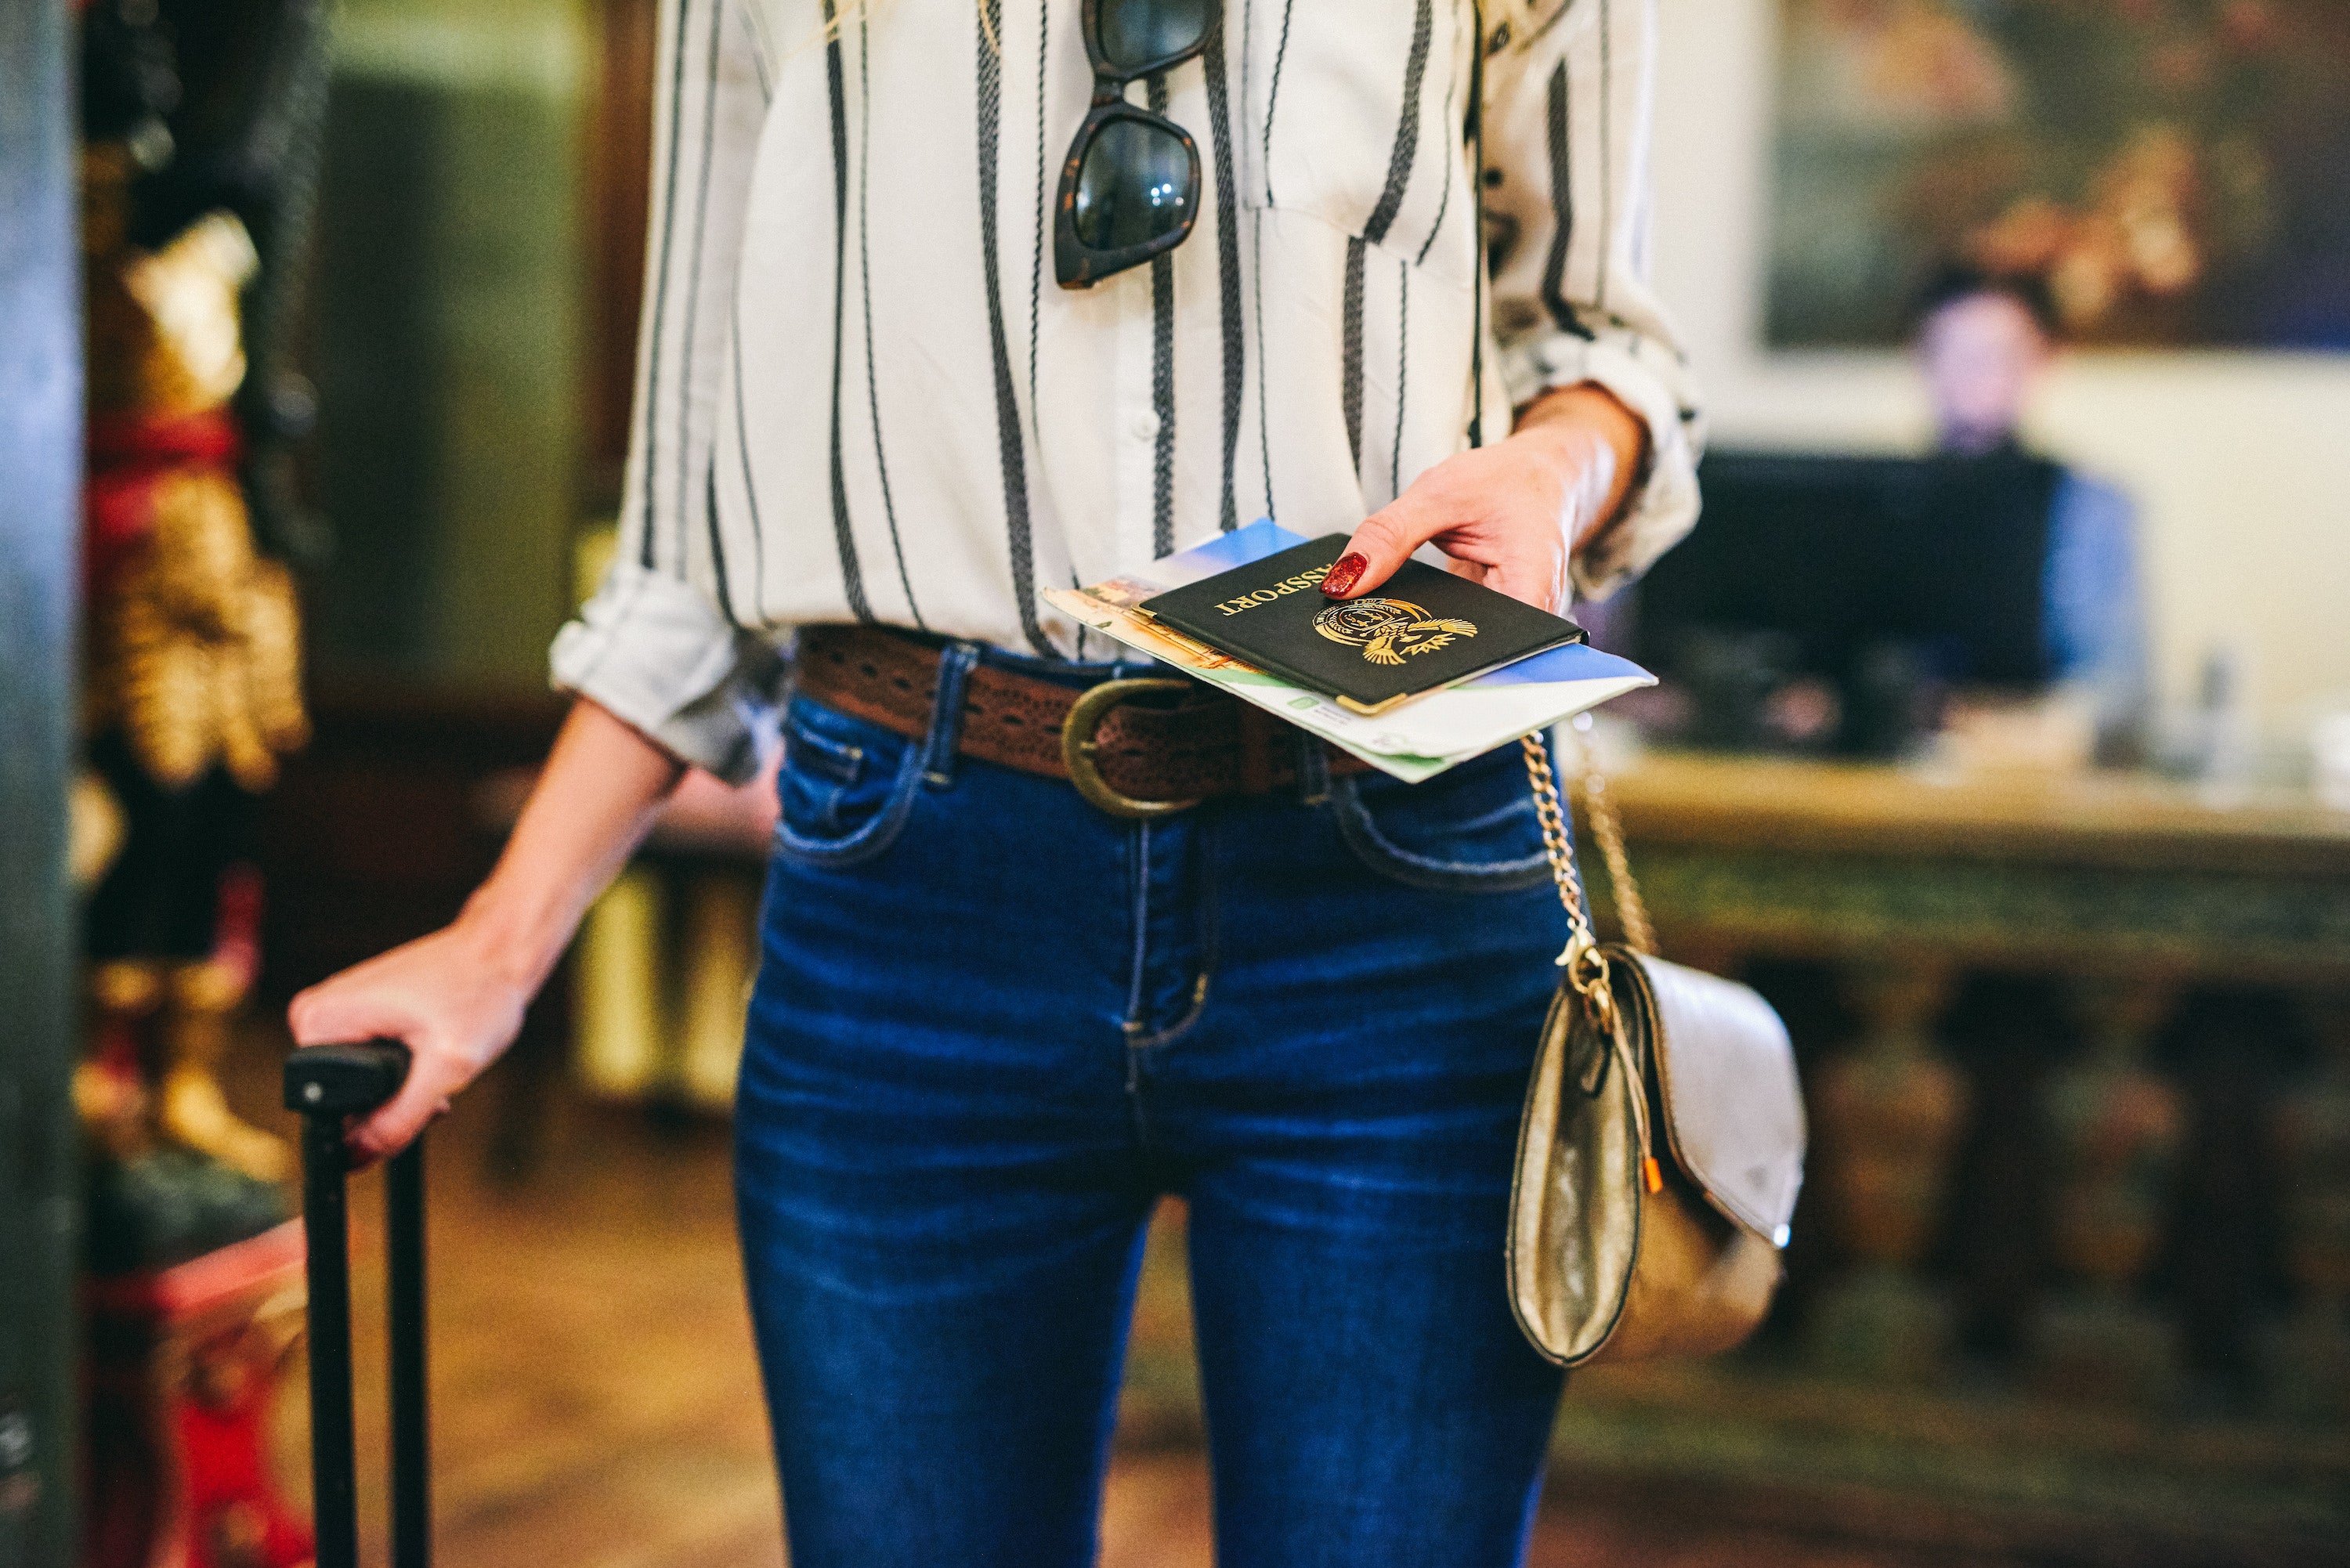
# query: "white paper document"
[[1414, 742]]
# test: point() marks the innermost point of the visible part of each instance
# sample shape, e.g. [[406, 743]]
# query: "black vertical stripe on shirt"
[[1228, 262], [865, 286], [851, 577], [1272, 99], [1037, 252], [694, 290], [1351, 367], [1561, 202], [1008, 444], [750, 491], [1162, 402], [1452, 157], [717, 545], [1264, 416], [1407, 137], [1162, 377], [1403, 373], [1256, 239], [1401, 157], [1477, 275], [660, 280]]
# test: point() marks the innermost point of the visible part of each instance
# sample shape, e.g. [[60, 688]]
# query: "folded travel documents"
[[1413, 740], [1423, 630]]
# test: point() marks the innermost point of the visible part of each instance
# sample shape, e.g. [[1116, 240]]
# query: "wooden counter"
[[2108, 873]]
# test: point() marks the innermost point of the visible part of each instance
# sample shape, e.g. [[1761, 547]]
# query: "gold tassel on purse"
[[1662, 1145]]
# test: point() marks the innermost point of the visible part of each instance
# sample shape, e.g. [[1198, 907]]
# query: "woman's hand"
[[449, 997], [455, 998], [1511, 515]]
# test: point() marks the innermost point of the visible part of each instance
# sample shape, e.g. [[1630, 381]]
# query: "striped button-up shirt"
[[860, 395]]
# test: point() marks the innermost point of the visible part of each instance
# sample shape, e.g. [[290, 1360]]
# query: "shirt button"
[[1143, 426]]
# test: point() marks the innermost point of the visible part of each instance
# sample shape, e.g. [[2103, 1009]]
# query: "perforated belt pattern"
[[1204, 745]]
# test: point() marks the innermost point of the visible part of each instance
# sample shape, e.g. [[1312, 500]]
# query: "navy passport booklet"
[[1420, 630]]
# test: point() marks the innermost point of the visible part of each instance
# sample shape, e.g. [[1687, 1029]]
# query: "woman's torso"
[[901, 428]]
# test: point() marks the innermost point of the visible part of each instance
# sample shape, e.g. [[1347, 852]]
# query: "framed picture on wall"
[[2178, 170]]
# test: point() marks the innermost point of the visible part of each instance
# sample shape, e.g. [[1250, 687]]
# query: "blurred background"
[[2003, 740]]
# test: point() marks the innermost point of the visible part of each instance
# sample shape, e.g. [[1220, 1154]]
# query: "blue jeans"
[[992, 1025]]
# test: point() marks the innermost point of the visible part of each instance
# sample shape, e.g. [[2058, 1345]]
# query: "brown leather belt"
[[1135, 748]]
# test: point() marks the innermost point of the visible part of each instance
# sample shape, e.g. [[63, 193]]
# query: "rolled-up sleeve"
[[655, 654], [1568, 106], [659, 645]]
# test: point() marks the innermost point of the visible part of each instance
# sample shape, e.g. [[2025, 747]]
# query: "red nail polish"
[[1345, 575]]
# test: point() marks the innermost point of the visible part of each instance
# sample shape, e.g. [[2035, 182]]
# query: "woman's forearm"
[[1514, 515], [594, 802], [1595, 435], [455, 997]]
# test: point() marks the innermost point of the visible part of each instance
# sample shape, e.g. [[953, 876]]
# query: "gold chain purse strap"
[[1630, 908], [1585, 964]]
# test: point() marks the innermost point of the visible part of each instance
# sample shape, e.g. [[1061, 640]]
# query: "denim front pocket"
[[846, 788], [1470, 830]]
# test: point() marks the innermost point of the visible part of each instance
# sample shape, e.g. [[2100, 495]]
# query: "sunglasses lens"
[[1134, 186], [1139, 32]]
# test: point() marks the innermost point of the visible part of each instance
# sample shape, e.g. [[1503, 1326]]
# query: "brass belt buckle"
[[1078, 748]]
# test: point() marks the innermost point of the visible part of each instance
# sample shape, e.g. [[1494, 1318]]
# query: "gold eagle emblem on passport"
[[1390, 630]]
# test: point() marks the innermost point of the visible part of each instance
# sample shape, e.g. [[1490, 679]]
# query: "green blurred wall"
[[448, 333]]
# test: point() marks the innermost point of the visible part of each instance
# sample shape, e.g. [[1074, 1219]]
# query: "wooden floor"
[[596, 1403]]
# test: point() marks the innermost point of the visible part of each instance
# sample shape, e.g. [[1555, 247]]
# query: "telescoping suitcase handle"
[[327, 1084]]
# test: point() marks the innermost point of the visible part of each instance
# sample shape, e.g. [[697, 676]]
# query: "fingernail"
[[1345, 575]]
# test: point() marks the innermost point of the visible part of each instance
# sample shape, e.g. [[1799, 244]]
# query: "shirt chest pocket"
[[1356, 113]]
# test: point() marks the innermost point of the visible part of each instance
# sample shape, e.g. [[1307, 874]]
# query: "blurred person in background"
[[995, 1022], [1984, 342]]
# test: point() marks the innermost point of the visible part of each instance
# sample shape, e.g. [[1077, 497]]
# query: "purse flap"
[[1734, 1107]]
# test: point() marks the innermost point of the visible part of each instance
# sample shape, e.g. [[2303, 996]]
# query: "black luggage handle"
[[327, 1084]]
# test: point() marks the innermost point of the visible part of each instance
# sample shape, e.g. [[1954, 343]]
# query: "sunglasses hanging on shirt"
[[1130, 187]]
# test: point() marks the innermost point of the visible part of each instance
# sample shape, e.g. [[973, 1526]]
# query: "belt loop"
[[955, 661], [1313, 768]]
